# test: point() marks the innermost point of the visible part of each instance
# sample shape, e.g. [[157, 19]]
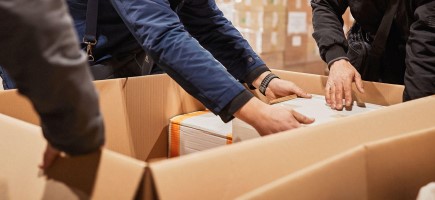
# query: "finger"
[[348, 92], [359, 83], [328, 94], [301, 93], [339, 96], [50, 155], [332, 94], [302, 118]]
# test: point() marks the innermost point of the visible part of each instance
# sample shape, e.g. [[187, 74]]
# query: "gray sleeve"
[[39, 48]]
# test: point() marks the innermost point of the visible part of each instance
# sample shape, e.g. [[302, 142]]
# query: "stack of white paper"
[[197, 131], [315, 107]]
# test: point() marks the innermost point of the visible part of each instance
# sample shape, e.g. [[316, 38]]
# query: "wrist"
[[250, 111], [256, 83]]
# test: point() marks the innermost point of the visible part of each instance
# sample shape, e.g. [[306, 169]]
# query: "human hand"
[[50, 155], [339, 84], [280, 88], [267, 119]]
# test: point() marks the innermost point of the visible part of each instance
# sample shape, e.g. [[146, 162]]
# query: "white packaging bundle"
[[197, 131], [315, 107]]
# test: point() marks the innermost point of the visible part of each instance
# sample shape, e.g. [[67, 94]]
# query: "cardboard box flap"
[[376, 93], [242, 167], [393, 168], [344, 180], [105, 175], [116, 120], [17, 106], [112, 107], [151, 102]]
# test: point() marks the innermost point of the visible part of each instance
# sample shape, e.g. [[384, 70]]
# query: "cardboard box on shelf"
[[266, 41], [259, 20], [393, 168], [136, 112], [268, 5], [274, 60], [92, 176], [197, 131], [240, 168]]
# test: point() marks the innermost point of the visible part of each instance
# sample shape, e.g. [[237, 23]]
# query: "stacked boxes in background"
[[262, 23], [280, 31]]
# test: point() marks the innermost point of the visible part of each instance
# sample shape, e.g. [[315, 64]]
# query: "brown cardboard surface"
[[105, 175], [151, 102], [376, 93], [394, 168], [242, 167], [136, 112]]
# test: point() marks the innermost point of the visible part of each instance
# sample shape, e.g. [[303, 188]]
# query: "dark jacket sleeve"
[[328, 28], [420, 52], [159, 30], [42, 55], [206, 23]]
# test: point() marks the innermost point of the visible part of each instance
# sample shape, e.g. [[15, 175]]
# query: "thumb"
[[50, 155], [359, 83], [302, 118]]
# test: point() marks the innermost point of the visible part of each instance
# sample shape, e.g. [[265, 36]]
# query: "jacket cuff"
[[334, 52], [227, 113], [336, 59], [254, 74]]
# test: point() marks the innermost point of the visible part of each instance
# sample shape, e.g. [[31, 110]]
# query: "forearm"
[[328, 28], [52, 72], [205, 22]]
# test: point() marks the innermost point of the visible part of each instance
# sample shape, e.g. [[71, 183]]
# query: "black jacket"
[[411, 42]]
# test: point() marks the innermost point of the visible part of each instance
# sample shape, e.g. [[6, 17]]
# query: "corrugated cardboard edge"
[[116, 119], [376, 93], [151, 102], [242, 167], [369, 171]]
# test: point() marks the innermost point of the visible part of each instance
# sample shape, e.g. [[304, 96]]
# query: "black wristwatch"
[[265, 83]]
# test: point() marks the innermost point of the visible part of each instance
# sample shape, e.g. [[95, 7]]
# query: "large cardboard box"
[[102, 175], [394, 168], [136, 112], [228, 172]]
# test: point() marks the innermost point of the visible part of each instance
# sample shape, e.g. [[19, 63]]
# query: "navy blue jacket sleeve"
[[160, 32], [206, 23], [420, 52]]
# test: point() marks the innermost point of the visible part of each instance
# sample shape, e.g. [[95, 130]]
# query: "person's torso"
[[113, 36]]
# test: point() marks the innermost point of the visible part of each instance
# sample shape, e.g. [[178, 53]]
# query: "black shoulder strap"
[[90, 38], [371, 72]]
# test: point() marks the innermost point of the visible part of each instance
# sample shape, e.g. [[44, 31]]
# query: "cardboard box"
[[103, 175], [268, 5], [259, 20], [240, 168], [274, 60], [136, 112], [265, 42], [394, 168], [197, 131]]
